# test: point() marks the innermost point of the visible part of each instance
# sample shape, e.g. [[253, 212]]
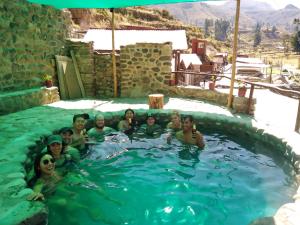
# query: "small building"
[[102, 38], [190, 62], [250, 67]]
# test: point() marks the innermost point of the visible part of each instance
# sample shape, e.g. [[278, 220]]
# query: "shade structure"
[[107, 3]]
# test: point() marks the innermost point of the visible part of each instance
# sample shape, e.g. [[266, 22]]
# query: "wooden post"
[[250, 98], [297, 126], [114, 54], [156, 101], [234, 52]]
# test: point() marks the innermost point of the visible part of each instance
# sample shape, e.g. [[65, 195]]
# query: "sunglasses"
[[47, 161]]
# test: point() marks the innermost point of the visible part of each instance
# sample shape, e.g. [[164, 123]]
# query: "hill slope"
[[133, 17], [251, 13]]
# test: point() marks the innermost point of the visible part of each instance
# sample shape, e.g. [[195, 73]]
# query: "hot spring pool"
[[230, 182]]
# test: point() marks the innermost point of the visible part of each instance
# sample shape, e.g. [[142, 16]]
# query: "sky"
[[277, 4]]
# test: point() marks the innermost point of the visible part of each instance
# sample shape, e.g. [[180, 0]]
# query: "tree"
[[206, 28], [257, 35], [221, 29], [274, 29], [297, 23], [296, 42]]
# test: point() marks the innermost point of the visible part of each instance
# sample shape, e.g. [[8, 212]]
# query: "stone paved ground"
[[20, 130], [271, 109]]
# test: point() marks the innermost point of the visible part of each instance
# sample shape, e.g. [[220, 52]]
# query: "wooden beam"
[[114, 66], [297, 126], [234, 52], [250, 98]]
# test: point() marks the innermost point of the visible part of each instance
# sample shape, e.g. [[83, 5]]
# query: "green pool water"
[[232, 182]]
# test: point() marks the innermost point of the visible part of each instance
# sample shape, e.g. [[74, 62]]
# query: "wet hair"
[[65, 130], [190, 118], [176, 113], [75, 117], [128, 110], [85, 116]]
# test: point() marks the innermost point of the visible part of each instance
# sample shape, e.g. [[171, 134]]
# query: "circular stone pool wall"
[[18, 146]]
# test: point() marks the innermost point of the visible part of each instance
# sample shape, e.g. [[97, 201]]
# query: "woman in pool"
[[128, 124], [47, 178], [175, 124], [189, 134]]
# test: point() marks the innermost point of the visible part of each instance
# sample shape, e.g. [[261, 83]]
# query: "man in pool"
[[79, 132], [189, 134], [98, 132], [66, 134], [151, 128]]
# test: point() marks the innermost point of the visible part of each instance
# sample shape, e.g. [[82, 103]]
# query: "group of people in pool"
[[66, 146]]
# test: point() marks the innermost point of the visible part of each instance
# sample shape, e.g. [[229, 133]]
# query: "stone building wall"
[[30, 37], [104, 77], [144, 68], [84, 56]]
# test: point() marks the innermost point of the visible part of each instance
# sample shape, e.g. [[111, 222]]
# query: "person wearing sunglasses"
[[45, 176]]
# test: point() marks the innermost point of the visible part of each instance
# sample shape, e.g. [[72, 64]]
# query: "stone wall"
[[104, 76], [30, 37], [85, 61], [143, 67], [20, 100]]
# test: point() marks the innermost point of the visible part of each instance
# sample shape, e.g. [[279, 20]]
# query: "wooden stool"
[[156, 101]]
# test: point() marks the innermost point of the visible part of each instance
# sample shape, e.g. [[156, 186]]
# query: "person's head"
[[129, 114], [79, 121], [99, 121], [150, 119], [66, 133], [85, 116], [44, 164], [188, 123], [175, 117], [54, 145]]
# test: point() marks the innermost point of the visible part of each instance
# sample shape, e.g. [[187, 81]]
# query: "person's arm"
[[199, 140], [37, 192]]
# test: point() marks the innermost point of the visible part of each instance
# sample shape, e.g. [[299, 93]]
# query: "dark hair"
[[75, 117], [37, 161], [85, 116], [191, 118], [65, 130], [127, 110]]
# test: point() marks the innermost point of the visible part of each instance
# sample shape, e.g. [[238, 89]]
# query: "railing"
[[288, 93]]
